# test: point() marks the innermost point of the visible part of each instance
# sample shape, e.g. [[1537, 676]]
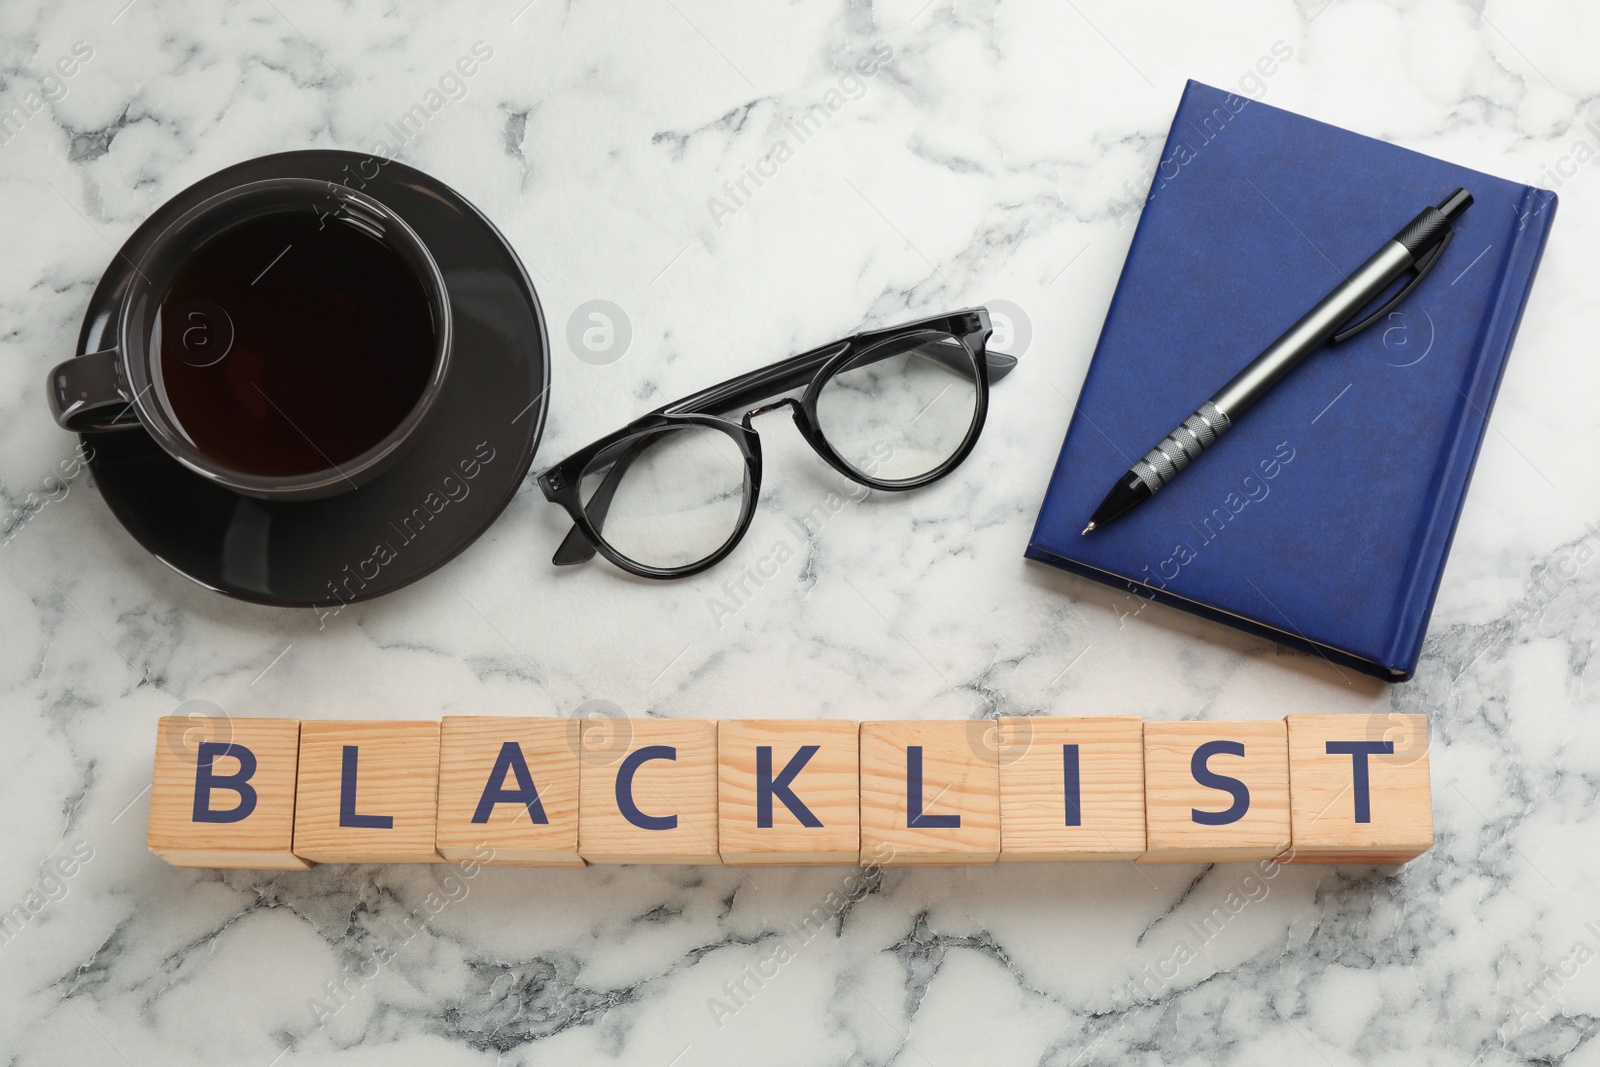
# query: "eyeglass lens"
[[667, 498], [900, 410]]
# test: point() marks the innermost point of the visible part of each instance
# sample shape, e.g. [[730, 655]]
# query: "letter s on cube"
[[1215, 792], [224, 793]]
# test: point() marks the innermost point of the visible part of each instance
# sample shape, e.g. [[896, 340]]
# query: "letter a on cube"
[[224, 793], [508, 791]]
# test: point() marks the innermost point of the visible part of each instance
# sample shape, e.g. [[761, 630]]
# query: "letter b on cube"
[[224, 793]]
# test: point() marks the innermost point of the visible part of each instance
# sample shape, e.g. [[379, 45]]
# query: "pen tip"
[[1087, 528]]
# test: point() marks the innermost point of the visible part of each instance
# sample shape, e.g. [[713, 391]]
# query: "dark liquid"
[[332, 344]]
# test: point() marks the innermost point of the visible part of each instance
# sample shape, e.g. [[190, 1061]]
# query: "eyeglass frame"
[[812, 369]]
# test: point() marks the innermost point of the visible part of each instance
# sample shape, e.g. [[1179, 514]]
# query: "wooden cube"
[[1071, 788], [930, 794], [648, 792], [1215, 792], [788, 791], [508, 792], [1358, 788], [224, 793], [367, 792]]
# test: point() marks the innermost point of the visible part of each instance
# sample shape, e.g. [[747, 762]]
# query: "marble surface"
[[984, 159]]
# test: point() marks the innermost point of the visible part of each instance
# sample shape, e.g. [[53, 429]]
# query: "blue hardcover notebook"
[[1323, 518]]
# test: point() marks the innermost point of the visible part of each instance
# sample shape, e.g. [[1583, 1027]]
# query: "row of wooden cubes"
[[281, 793]]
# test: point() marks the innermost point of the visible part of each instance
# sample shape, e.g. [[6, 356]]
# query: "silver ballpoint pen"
[[1417, 247]]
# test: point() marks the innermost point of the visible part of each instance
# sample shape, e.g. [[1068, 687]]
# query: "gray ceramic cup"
[[113, 390]]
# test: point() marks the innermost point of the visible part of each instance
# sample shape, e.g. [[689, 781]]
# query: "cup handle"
[[88, 393]]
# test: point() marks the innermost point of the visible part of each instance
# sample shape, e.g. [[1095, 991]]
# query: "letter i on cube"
[[1071, 788]]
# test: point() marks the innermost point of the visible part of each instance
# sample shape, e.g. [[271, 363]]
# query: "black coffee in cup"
[[291, 342], [287, 339]]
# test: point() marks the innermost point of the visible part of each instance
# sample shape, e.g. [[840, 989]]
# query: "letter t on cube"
[[1359, 788]]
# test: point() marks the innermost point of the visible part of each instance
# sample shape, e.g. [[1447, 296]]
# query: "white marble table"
[[983, 161]]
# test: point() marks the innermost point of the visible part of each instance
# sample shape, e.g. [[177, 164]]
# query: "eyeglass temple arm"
[[1000, 364], [747, 389], [576, 546]]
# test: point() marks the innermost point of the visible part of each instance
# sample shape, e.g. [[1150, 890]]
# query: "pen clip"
[[1428, 261]]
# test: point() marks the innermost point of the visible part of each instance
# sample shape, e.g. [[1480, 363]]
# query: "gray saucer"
[[465, 467]]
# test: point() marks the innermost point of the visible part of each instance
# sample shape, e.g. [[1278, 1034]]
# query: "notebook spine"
[[1499, 330]]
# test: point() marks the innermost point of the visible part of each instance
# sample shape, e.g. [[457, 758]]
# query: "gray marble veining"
[[728, 177]]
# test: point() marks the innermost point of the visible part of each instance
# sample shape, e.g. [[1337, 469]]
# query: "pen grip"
[[1180, 447]]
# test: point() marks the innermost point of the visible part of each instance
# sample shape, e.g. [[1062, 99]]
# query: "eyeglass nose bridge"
[[787, 402]]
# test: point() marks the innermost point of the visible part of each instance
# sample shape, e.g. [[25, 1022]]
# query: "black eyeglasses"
[[672, 492]]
